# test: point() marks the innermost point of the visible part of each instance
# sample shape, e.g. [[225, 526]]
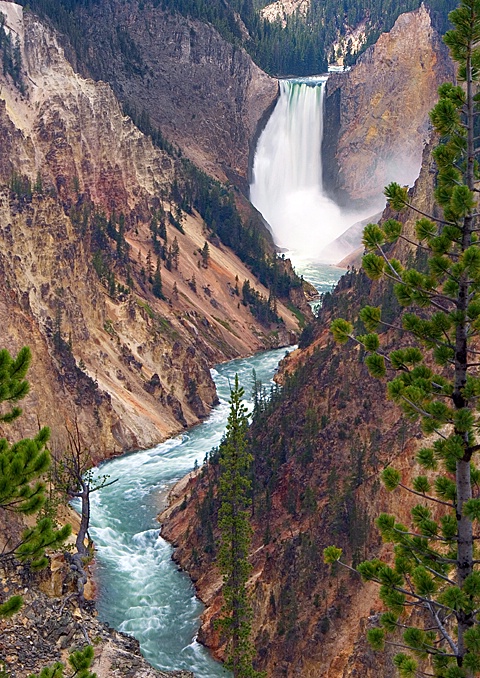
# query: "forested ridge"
[[301, 45]]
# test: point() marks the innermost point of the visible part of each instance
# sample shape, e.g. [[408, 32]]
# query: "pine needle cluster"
[[22, 465]]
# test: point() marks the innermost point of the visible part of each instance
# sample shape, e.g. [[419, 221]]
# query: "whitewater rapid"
[[141, 591]]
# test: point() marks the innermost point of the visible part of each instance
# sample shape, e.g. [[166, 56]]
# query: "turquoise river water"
[[141, 591]]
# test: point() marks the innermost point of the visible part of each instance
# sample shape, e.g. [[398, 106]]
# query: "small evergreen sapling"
[[79, 663]]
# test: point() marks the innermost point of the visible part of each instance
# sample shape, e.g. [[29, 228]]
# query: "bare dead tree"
[[74, 476]]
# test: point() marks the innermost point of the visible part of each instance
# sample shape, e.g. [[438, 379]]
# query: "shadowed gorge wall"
[[204, 94]]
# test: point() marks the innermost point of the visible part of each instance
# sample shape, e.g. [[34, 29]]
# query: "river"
[[141, 591]]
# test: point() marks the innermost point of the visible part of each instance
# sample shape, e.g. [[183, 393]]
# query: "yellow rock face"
[[379, 123], [137, 368]]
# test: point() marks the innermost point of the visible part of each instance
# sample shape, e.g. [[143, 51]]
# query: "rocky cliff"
[[83, 200], [124, 293], [377, 113], [204, 94], [48, 626], [319, 446], [80, 188]]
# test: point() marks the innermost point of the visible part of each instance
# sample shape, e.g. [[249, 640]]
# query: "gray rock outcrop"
[[204, 94]]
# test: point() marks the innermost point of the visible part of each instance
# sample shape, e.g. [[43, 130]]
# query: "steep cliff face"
[[377, 113], [319, 447], [283, 8], [206, 95], [76, 250], [124, 295]]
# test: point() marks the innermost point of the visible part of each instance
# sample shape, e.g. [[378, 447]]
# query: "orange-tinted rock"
[[377, 114], [69, 132]]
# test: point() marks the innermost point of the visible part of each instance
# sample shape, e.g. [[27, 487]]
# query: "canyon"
[[129, 367], [318, 451], [90, 219], [71, 132], [320, 445], [81, 186]]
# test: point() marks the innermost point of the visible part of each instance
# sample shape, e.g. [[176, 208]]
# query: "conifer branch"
[[426, 496]]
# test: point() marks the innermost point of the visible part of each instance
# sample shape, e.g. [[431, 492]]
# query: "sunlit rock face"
[[136, 367], [377, 113]]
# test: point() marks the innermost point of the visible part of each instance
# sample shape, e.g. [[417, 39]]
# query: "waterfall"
[[287, 172]]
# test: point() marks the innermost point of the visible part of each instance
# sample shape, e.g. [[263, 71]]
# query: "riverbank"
[[140, 589], [175, 524], [50, 624]]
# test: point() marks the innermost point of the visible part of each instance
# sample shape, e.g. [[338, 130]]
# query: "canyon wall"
[[80, 188], [205, 94], [376, 115], [131, 366], [319, 447], [124, 294]]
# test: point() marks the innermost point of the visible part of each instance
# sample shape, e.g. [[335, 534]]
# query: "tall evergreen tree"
[[435, 569], [157, 287], [234, 524]]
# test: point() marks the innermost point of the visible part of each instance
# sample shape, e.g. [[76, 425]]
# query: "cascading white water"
[[287, 172]]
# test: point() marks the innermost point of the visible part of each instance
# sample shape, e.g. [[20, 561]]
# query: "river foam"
[[141, 591]]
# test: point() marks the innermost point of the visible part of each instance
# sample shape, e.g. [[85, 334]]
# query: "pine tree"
[[175, 253], [149, 267], [79, 661], [435, 569], [205, 252], [233, 521], [157, 282], [21, 465]]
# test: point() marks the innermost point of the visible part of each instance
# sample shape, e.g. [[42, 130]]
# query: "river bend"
[[141, 591]]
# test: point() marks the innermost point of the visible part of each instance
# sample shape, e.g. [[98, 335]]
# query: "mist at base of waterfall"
[[306, 223], [287, 183]]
